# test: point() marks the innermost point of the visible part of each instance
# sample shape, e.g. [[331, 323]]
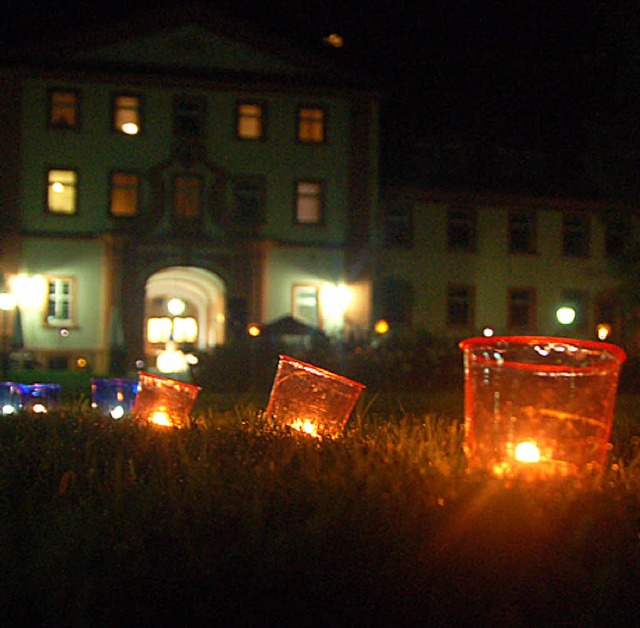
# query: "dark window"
[[460, 306], [189, 118], [615, 239], [522, 232], [398, 228], [575, 234], [187, 196], [249, 200], [522, 304], [461, 230]]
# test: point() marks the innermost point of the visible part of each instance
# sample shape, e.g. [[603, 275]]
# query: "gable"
[[189, 47]]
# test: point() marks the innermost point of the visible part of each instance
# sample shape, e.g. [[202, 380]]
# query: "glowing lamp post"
[[311, 400], [115, 397], [163, 401], [538, 406]]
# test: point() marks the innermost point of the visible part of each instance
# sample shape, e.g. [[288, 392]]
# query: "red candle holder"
[[310, 399], [163, 401], [538, 405]]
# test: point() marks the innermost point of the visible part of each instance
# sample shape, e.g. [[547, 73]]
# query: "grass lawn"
[[230, 522]]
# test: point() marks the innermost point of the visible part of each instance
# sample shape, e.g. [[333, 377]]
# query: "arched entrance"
[[185, 304]]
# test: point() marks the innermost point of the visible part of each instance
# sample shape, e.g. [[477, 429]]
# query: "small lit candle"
[[527, 451], [306, 426]]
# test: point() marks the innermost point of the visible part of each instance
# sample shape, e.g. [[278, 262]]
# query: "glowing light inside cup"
[[160, 417], [306, 426], [527, 451], [39, 408], [8, 409], [117, 412]]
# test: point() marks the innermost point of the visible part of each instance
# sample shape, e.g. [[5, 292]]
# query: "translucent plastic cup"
[[40, 398], [114, 397], [10, 398], [539, 405], [311, 400], [163, 401]]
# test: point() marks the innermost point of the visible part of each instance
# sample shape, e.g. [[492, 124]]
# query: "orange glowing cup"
[[310, 399], [539, 405], [163, 401]]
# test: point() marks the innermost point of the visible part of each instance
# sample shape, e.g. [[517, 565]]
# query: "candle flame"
[[527, 452], [306, 426], [160, 417]]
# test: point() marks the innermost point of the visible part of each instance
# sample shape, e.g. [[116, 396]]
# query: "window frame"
[[531, 227], [472, 222], [48, 185], [531, 308], [469, 304], [51, 124], [113, 187], [72, 306], [297, 287], [199, 106], [321, 200], [181, 217], [115, 108], [583, 235], [308, 122], [262, 120]]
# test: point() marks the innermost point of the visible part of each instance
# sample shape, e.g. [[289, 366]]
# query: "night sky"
[[495, 76]]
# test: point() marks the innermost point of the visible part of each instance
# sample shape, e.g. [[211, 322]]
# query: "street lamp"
[[7, 304]]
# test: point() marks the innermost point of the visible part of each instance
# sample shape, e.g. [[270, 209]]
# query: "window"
[[311, 125], [309, 202], [63, 109], [60, 301], [249, 200], [124, 194], [181, 329], [522, 303], [187, 196], [62, 191], [126, 114], [460, 306], [461, 230], [189, 118], [522, 232], [615, 238], [304, 305], [250, 121], [398, 229], [575, 234]]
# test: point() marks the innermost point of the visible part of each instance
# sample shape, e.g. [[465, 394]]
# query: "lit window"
[[460, 306], [575, 234], [189, 117], [309, 202], [311, 125], [187, 193], [124, 194], [161, 329], [250, 116], [62, 191], [522, 304], [304, 305], [522, 232], [461, 230], [126, 114], [60, 301], [63, 109]]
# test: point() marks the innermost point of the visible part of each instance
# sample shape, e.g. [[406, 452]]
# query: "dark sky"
[[509, 73]]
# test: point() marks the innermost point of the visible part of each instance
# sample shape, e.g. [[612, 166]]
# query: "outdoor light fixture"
[[538, 406], [566, 315], [381, 327], [114, 397], [253, 330], [603, 330], [311, 400], [163, 401], [176, 307], [488, 332]]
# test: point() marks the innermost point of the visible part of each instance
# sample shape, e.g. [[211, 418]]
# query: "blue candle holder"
[[40, 398], [10, 398], [114, 397]]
